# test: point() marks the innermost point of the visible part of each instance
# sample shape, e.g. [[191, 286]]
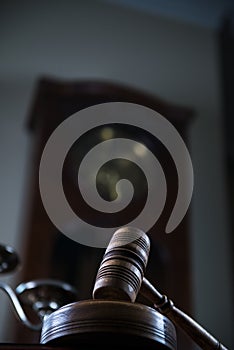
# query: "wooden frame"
[[169, 264]]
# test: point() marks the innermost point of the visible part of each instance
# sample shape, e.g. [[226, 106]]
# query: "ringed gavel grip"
[[165, 306]]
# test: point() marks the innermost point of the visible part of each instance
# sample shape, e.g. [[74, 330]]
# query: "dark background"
[[179, 54]]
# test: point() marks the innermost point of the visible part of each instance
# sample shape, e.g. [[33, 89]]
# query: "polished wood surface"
[[12, 346], [109, 323]]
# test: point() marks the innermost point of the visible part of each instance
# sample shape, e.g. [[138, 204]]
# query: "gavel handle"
[[165, 306]]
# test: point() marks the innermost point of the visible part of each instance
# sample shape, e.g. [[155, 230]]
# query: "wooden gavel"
[[121, 277]]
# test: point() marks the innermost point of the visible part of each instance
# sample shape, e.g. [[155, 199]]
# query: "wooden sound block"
[[109, 324]]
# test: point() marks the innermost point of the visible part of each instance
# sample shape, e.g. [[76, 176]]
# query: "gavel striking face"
[[123, 266]]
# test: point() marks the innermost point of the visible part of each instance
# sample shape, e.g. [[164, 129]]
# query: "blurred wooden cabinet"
[[50, 254]]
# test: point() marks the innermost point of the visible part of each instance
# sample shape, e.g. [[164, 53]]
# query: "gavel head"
[[120, 274]]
